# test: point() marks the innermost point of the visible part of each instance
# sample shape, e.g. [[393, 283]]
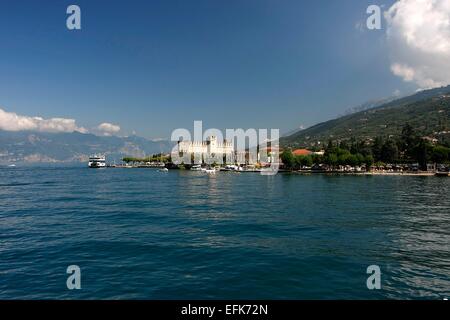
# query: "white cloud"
[[108, 128], [10, 121], [418, 33]]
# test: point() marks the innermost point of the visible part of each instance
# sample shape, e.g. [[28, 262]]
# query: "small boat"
[[12, 165], [161, 163], [441, 173], [210, 171], [196, 167], [97, 161], [232, 168]]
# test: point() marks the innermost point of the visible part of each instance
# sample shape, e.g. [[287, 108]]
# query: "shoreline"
[[371, 173], [281, 171], [307, 172]]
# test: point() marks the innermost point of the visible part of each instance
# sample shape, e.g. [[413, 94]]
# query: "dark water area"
[[144, 234]]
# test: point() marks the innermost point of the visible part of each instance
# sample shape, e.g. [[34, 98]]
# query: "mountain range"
[[427, 111], [27, 146]]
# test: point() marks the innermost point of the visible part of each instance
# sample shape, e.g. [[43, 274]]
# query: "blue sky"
[[153, 66]]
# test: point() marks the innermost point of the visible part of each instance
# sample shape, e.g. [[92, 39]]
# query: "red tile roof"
[[301, 152]]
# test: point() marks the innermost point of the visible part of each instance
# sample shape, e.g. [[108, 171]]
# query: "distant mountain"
[[427, 111], [24, 146], [369, 105], [291, 132]]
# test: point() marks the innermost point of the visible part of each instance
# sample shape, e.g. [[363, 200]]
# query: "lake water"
[[143, 234]]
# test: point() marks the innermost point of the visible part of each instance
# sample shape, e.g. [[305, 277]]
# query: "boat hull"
[[96, 165]]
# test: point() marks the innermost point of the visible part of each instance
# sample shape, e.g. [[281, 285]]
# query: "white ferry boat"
[[97, 161]]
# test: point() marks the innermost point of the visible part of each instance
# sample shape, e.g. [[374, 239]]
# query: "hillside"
[[25, 146], [427, 111]]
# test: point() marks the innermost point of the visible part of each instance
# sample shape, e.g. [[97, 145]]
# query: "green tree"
[[422, 155], [364, 148], [130, 159], [330, 146], [344, 145], [377, 148], [368, 160], [361, 159], [440, 154], [408, 140], [343, 159], [389, 151], [304, 161], [354, 146], [316, 158], [352, 160], [288, 159], [331, 159]]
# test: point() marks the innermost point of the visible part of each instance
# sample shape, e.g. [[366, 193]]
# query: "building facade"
[[210, 147]]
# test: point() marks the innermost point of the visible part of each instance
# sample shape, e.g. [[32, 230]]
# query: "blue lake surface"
[[144, 234]]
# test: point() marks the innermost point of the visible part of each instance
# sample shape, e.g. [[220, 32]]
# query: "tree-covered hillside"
[[428, 112]]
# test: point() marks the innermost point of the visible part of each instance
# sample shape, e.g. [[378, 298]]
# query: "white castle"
[[211, 146]]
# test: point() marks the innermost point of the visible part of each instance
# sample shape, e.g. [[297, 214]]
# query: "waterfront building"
[[210, 147], [271, 155]]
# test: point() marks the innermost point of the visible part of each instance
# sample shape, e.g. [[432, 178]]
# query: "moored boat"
[[210, 171], [97, 161]]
